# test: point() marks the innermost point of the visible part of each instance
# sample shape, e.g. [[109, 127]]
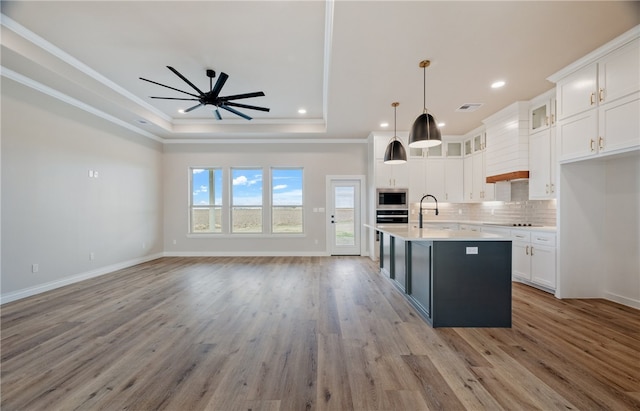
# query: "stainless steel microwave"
[[392, 198]]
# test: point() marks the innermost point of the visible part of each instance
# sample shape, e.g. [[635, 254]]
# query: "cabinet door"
[[468, 179], [543, 266], [618, 73], [453, 180], [540, 165], [435, 178], [577, 136], [577, 92], [417, 179], [521, 260], [478, 176], [391, 175], [420, 275], [619, 124], [539, 117]]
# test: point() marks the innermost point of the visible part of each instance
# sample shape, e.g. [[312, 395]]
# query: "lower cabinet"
[[534, 258], [420, 277], [461, 283]]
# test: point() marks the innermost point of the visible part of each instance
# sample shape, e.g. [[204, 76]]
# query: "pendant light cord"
[[424, 88]]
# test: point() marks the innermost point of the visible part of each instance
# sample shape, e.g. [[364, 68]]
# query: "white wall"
[[53, 214], [317, 160]]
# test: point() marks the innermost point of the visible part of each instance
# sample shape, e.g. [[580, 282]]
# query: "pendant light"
[[425, 132], [395, 152]]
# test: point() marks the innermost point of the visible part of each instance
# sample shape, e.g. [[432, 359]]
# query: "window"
[[246, 200], [206, 200], [286, 200]]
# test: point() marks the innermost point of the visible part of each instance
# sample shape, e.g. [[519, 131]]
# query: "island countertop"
[[410, 232]]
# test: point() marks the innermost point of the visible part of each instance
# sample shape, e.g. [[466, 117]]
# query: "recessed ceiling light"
[[384, 124], [302, 111], [441, 124], [498, 84]]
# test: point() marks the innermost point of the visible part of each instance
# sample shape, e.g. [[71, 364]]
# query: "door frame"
[[362, 179]]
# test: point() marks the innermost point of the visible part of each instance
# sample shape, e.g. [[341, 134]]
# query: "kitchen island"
[[453, 278]]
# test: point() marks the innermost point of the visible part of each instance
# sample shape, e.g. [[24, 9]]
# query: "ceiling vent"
[[469, 107]]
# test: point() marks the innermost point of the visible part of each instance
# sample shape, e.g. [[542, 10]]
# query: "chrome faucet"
[[420, 215]]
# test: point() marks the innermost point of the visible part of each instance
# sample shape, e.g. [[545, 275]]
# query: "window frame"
[[272, 205], [212, 205]]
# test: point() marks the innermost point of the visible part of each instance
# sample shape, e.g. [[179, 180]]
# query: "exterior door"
[[344, 224]]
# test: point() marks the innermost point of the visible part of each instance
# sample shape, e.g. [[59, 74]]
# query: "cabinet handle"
[[553, 188], [547, 190], [531, 250], [546, 121], [592, 99], [542, 239], [553, 119], [592, 143], [526, 250], [601, 95], [600, 143]]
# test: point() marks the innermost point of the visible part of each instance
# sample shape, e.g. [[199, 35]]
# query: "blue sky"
[[247, 186]]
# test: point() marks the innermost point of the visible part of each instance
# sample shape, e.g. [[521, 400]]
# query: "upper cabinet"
[[542, 147], [598, 101], [542, 112]]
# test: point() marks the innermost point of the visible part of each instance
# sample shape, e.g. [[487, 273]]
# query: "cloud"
[[203, 189], [240, 181], [198, 170], [280, 187]]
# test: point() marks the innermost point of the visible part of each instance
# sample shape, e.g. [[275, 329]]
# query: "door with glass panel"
[[343, 213]]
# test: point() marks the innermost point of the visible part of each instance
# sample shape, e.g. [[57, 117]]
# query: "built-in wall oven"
[[392, 206]]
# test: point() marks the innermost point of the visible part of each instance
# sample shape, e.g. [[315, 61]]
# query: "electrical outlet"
[[95, 174], [35, 268], [90, 173]]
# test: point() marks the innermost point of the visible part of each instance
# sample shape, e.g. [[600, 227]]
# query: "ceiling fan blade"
[[193, 108], [217, 113], [184, 79], [177, 98], [172, 88], [240, 96], [222, 78], [229, 103], [236, 112]]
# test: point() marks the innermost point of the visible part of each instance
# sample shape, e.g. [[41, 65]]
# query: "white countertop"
[[410, 232]]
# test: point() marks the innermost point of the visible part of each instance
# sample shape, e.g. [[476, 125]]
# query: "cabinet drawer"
[[543, 239], [519, 235]]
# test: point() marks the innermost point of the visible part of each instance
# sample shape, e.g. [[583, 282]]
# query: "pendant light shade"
[[395, 152], [425, 132]]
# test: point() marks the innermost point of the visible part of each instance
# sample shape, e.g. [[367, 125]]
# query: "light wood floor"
[[303, 333]]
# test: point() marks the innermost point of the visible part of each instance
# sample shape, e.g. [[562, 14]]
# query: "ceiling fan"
[[213, 95]]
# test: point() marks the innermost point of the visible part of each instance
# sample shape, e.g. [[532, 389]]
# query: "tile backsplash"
[[518, 210]]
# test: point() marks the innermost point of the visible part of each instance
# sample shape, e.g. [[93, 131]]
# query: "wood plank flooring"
[[303, 333]]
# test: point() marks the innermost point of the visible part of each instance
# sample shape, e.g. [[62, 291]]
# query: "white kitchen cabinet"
[[542, 112], [534, 258], [542, 164], [453, 180], [443, 226], [598, 102], [475, 188], [417, 181], [435, 168], [381, 141], [391, 175]]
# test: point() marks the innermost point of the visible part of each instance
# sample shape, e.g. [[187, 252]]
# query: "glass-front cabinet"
[[542, 112]]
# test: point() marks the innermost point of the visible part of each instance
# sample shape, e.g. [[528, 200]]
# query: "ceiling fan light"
[[395, 153], [424, 132]]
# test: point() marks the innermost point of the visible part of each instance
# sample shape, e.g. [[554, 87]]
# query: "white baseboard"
[[40, 288], [620, 299], [245, 254]]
